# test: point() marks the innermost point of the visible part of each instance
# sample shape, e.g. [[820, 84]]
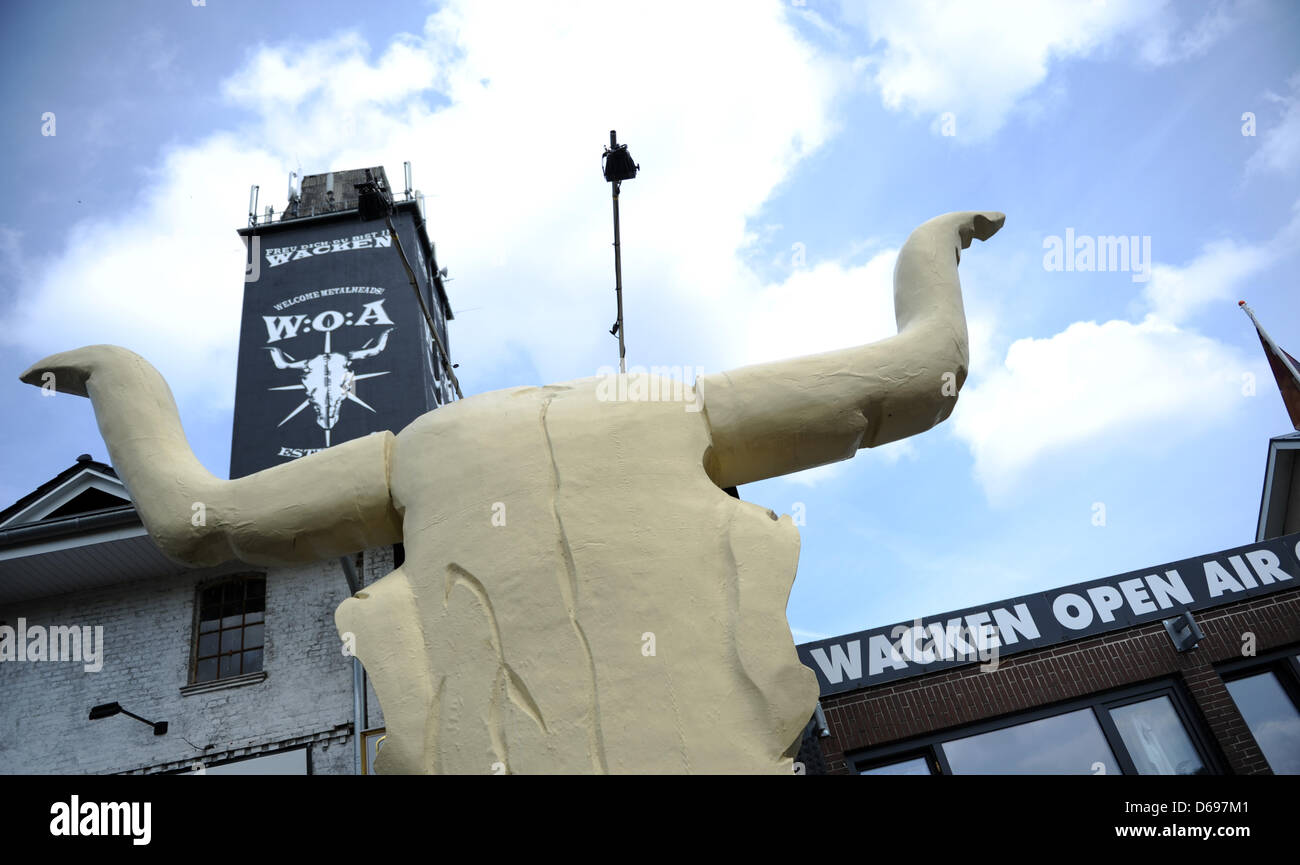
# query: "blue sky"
[[787, 150]]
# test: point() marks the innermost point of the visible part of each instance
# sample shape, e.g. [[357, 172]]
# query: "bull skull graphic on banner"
[[328, 379]]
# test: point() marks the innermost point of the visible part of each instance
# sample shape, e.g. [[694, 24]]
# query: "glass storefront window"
[[1156, 739], [1069, 744], [911, 766], [1272, 717], [1147, 729]]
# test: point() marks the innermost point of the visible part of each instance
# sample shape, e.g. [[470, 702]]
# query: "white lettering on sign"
[[883, 653], [950, 638], [280, 327], [371, 240], [296, 453], [908, 649], [1140, 595], [1106, 600], [1266, 565], [1136, 595], [838, 664], [1072, 611], [914, 647], [327, 292], [979, 625], [1218, 580], [1022, 623], [1243, 573], [1170, 590]]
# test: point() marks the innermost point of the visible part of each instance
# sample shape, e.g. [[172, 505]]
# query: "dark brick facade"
[[897, 711]]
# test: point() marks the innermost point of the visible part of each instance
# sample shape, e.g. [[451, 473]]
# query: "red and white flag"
[[1285, 369]]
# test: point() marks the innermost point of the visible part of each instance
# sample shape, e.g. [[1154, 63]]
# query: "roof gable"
[[1279, 510], [85, 487]]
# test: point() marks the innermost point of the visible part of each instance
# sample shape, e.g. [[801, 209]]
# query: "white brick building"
[[74, 553], [240, 662]]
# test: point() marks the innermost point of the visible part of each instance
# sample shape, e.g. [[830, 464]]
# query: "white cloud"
[[980, 60], [822, 308], [163, 280], [1095, 386], [1166, 44], [503, 115], [1176, 293], [11, 248], [1279, 143], [1088, 388], [1222, 269]]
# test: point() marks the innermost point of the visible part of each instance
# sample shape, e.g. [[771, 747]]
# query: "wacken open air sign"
[[985, 633], [332, 343]]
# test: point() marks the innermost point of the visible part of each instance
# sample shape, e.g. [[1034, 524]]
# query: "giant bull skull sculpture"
[[328, 379], [551, 536]]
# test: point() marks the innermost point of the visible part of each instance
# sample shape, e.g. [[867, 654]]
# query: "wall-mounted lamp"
[[1184, 632], [108, 710]]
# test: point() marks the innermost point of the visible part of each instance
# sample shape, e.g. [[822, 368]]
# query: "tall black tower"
[[333, 343]]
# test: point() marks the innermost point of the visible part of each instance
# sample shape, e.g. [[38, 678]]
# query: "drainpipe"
[[358, 673]]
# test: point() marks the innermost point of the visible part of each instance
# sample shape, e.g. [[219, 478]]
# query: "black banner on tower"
[[332, 345]]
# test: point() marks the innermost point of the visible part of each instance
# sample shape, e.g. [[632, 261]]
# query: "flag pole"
[[1268, 340]]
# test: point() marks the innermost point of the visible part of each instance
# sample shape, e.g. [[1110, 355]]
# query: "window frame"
[[1284, 663], [932, 762], [232, 761], [197, 633], [930, 745]]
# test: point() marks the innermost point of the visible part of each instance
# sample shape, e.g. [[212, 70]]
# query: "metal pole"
[[618, 271], [358, 674], [433, 330], [358, 712], [1268, 340]]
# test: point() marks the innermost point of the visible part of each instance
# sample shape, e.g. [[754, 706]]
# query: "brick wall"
[[306, 698], [928, 704]]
